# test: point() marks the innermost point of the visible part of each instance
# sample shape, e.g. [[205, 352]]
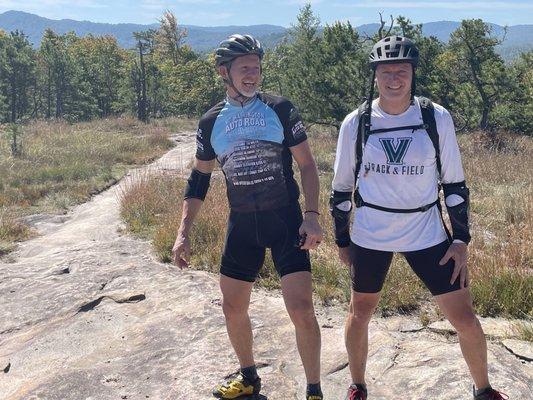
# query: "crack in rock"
[[393, 363], [103, 285], [63, 271], [519, 356], [412, 330], [132, 299], [10, 330], [338, 368], [7, 368], [90, 305], [119, 300]]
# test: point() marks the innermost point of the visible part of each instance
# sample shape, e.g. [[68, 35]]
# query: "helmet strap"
[[369, 100], [413, 86]]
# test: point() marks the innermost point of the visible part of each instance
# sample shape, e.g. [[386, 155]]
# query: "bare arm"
[[181, 250], [310, 187]]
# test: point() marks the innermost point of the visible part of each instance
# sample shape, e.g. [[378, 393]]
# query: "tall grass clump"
[[150, 204], [501, 251], [11, 231]]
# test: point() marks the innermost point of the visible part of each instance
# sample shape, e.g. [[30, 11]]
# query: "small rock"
[[6, 366]]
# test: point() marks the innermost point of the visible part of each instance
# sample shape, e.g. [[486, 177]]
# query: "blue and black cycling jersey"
[[251, 143]]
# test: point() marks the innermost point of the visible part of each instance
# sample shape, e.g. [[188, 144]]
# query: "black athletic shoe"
[[490, 394]]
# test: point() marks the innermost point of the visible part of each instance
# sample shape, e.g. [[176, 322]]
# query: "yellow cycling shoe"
[[237, 386]]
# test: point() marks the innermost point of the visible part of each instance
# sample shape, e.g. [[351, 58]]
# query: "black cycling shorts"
[[369, 268], [250, 233]]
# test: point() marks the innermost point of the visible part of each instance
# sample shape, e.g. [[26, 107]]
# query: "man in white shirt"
[[394, 158]]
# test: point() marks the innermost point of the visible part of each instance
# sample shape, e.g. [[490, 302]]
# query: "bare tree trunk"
[[49, 94], [142, 104]]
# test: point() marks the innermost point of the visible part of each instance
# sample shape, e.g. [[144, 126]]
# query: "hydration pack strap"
[[448, 233], [400, 128], [359, 202]]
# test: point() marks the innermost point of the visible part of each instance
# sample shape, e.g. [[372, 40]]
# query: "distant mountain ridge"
[[518, 38]]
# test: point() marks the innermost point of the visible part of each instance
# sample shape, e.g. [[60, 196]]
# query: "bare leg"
[[297, 293], [457, 308], [362, 306], [235, 302]]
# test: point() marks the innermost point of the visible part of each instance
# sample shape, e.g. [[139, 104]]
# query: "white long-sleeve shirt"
[[399, 171]]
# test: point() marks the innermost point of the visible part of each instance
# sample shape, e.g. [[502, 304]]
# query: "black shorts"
[[250, 233], [369, 268]]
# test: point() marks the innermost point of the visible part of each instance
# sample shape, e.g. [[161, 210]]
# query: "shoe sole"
[[254, 396]]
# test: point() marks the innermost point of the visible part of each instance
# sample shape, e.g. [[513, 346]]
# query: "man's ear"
[[223, 71]]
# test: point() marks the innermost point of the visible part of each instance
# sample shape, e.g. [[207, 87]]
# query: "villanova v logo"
[[395, 151]]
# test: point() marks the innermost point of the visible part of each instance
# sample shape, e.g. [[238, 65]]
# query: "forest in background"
[[324, 72]]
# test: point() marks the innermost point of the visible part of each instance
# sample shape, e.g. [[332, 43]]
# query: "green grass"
[[500, 254], [60, 165]]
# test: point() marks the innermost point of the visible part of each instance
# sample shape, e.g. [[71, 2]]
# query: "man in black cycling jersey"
[[393, 152], [254, 136]]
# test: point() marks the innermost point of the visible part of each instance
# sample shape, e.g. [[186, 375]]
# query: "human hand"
[[181, 251], [312, 231], [459, 253]]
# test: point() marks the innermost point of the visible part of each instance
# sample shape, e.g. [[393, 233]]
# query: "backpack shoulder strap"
[[428, 116], [359, 140]]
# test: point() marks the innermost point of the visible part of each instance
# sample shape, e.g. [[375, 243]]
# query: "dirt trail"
[[89, 313]]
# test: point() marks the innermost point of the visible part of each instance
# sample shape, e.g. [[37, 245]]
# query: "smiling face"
[[394, 84], [245, 73]]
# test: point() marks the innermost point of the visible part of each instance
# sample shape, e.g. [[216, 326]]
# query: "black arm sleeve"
[[341, 218], [197, 185], [459, 213]]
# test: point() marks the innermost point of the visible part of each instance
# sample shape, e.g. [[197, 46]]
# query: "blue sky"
[[276, 12]]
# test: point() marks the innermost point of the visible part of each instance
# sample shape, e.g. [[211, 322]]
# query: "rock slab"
[[88, 313]]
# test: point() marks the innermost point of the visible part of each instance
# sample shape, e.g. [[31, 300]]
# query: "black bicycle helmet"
[[394, 49], [237, 46]]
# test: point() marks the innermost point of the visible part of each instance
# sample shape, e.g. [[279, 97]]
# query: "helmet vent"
[[237, 46], [394, 49]]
